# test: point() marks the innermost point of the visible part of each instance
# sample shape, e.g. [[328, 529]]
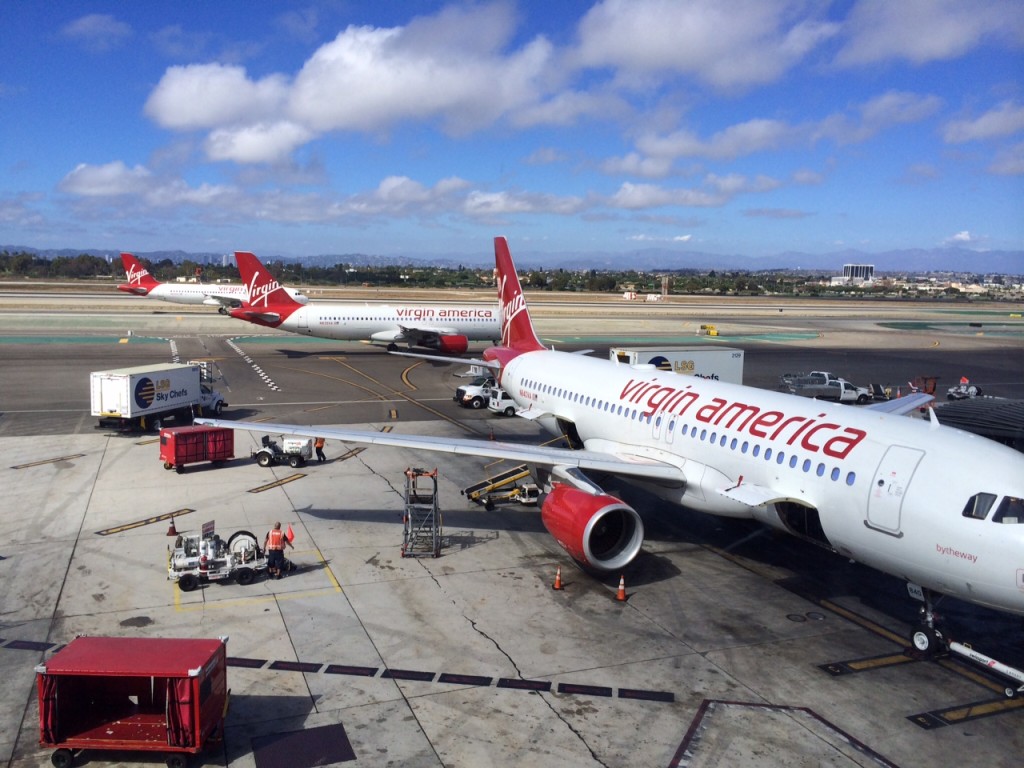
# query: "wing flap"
[[901, 405], [754, 495], [250, 314]]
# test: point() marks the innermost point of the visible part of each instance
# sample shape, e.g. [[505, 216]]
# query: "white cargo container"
[[706, 362], [147, 395]]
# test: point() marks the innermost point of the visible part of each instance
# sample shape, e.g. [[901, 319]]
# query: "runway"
[[735, 646]]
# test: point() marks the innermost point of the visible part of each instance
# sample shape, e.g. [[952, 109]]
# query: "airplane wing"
[[223, 300], [460, 360], [547, 456], [901, 405]]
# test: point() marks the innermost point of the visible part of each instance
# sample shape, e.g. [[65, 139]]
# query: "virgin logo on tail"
[[136, 272], [259, 292], [516, 327]]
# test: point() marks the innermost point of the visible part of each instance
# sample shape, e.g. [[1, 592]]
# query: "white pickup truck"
[[822, 385], [475, 394]]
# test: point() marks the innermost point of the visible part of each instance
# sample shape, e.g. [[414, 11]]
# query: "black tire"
[[218, 408], [294, 461], [188, 582], [245, 576], [476, 403], [510, 411], [179, 469], [264, 459], [168, 465], [176, 760], [926, 641], [62, 758], [489, 505], [156, 424], [861, 399]]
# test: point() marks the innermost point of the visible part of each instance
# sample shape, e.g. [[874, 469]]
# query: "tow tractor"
[[204, 557], [291, 450]]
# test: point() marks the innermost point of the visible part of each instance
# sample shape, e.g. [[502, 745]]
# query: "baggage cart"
[[188, 445], [136, 694]]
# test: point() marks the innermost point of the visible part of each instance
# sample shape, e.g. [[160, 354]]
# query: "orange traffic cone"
[[171, 530], [621, 594], [898, 392], [558, 578]]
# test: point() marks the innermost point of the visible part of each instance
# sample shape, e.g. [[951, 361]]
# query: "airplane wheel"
[[926, 641]]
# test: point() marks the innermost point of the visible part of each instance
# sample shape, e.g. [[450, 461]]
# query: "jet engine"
[[597, 530], [452, 345]]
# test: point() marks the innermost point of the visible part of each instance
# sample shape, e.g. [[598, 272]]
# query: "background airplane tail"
[[138, 275], [516, 327], [264, 290]]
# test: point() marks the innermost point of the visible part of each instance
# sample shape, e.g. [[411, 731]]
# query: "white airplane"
[[445, 328], [141, 283], [935, 506]]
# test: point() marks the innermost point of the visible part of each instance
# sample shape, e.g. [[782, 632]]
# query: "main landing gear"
[[929, 641]]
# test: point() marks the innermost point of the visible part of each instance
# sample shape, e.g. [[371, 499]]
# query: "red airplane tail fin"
[[516, 327], [264, 290], [139, 280]]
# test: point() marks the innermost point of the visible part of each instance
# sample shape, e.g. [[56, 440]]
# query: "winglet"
[[140, 282], [264, 291], [516, 327]]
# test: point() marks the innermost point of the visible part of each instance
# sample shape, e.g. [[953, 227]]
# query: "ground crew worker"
[[319, 445], [275, 543]]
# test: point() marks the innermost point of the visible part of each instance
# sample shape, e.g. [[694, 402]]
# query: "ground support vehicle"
[[422, 517], [963, 392], [294, 451], [504, 487], [822, 385], [475, 394], [139, 694], [198, 558], [187, 445], [704, 361], [501, 402], [146, 396]]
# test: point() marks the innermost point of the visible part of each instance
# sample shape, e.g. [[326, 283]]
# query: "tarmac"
[[733, 647]]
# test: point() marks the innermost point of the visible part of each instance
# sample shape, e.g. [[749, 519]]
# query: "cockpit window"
[[979, 505], [1010, 510]]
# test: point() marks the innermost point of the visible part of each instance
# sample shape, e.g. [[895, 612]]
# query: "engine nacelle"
[[452, 345], [598, 531]]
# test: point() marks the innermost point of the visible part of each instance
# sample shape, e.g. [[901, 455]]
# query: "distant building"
[[855, 274]]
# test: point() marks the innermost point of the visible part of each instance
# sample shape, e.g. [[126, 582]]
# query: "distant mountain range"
[[917, 261]]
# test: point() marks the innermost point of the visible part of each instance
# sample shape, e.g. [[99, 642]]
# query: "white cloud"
[[256, 143], [921, 31], [97, 32], [214, 96], [106, 180], [739, 43], [878, 114], [1004, 120]]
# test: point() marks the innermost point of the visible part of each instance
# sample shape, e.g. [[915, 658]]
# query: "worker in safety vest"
[[275, 543]]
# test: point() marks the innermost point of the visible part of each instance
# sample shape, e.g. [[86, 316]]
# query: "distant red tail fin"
[[516, 327], [264, 290], [139, 280]]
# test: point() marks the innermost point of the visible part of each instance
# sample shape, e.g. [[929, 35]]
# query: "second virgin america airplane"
[[446, 328], [926, 503], [222, 296]]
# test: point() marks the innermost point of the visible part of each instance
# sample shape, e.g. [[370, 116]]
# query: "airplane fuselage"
[[875, 487], [382, 323]]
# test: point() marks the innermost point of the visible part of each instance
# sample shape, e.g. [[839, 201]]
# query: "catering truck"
[[146, 396], [704, 361]]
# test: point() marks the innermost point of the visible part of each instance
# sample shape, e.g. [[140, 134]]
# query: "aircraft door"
[[889, 488], [303, 319]]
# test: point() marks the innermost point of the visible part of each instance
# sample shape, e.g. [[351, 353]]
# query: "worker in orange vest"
[[319, 445], [274, 543]]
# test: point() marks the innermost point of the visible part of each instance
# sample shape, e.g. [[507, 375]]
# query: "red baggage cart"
[[141, 694], [187, 445]]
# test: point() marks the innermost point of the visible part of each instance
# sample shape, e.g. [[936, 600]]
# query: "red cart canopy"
[[128, 656]]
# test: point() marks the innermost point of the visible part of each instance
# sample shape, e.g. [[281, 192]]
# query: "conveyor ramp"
[[478, 490]]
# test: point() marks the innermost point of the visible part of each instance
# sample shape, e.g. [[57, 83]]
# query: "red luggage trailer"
[[187, 445], [145, 694]]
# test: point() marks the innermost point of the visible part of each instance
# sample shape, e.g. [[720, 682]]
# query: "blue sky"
[[745, 127]]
